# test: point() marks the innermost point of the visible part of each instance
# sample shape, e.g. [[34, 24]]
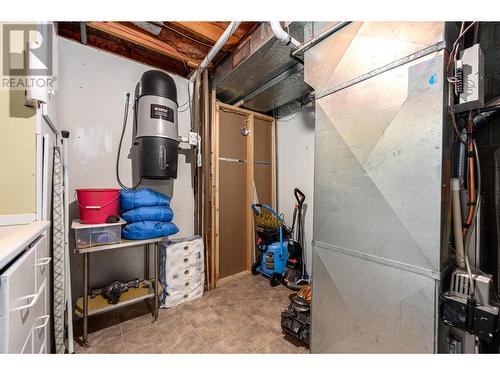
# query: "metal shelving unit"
[[86, 307]]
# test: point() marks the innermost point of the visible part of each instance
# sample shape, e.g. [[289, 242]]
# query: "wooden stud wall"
[[251, 118], [250, 184]]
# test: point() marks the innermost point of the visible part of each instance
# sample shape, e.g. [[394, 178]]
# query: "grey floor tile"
[[136, 323], [234, 316], [214, 332], [240, 317], [158, 348], [142, 337], [255, 335], [277, 346], [230, 344], [202, 317], [112, 344], [95, 337], [189, 342], [174, 334]]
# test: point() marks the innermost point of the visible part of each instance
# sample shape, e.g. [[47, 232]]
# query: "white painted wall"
[[295, 160], [91, 98]]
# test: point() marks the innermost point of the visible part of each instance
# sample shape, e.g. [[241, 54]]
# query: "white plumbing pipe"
[[457, 222], [216, 48], [282, 35]]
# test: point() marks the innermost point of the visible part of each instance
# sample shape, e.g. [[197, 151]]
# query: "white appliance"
[[25, 289]]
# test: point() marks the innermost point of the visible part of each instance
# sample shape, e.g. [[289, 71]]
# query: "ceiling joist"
[[177, 47], [126, 49], [143, 39], [210, 31]]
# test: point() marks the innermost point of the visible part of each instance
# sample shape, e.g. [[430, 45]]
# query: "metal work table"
[[126, 299]]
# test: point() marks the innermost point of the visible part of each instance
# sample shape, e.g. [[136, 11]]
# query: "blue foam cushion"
[[134, 198], [155, 213], [143, 230]]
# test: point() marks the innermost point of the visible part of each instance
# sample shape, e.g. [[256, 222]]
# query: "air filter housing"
[[156, 139]]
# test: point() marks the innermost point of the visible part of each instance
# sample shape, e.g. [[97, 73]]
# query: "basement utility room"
[[249, 182]]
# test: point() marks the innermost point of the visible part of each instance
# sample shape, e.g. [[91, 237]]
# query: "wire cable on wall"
[[125, 117], [291, 115], [187, 36]]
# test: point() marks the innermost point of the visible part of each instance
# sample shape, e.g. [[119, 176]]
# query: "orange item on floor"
[[305, 293]]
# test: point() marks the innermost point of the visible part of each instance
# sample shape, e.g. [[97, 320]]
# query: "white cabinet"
[[24, 300], [41, 321]]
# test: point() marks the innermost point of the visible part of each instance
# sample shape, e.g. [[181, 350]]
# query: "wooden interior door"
[[232, 174], [244, 161]]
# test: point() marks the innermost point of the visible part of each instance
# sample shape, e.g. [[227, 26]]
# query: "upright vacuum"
[[296, 274]]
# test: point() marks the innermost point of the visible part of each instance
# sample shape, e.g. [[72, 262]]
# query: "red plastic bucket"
[[96, 205]]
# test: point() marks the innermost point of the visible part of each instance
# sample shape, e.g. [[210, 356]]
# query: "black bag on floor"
[[296, 320]]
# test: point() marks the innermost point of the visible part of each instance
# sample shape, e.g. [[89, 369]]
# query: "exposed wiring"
[[455, 127], [474, 217], [453, 54], [188, 102], [477, 269], [462, 32], [191, 99], [495, 107], [125, 117], [470, 175], [289, 119], [471, 147], [180, 56], [187, 36], [476, 32], [293, 114]]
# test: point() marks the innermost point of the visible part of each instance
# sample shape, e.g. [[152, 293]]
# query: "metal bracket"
[[194, 139]]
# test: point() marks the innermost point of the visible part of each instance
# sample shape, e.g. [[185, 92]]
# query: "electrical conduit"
[[215, 49]]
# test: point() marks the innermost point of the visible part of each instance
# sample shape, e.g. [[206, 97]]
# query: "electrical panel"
[[470, 79]]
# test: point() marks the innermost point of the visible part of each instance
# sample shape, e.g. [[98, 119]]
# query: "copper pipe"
[[471, 177]]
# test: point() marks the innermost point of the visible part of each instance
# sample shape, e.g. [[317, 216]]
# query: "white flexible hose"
[[282, 35]]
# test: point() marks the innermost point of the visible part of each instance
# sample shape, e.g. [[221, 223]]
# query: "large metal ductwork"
[[261, 74], [382, 186]]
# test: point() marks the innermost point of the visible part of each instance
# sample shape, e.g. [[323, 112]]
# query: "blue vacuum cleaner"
[[271, 235]]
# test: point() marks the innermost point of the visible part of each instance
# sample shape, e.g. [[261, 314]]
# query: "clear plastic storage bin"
[[87, 235]]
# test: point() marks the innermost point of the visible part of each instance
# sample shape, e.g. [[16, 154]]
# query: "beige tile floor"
[[242, 316]]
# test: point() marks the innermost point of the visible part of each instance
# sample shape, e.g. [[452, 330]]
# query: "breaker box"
[[470, 73]]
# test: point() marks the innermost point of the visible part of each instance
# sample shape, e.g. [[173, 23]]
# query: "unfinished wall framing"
[[244, 171]]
